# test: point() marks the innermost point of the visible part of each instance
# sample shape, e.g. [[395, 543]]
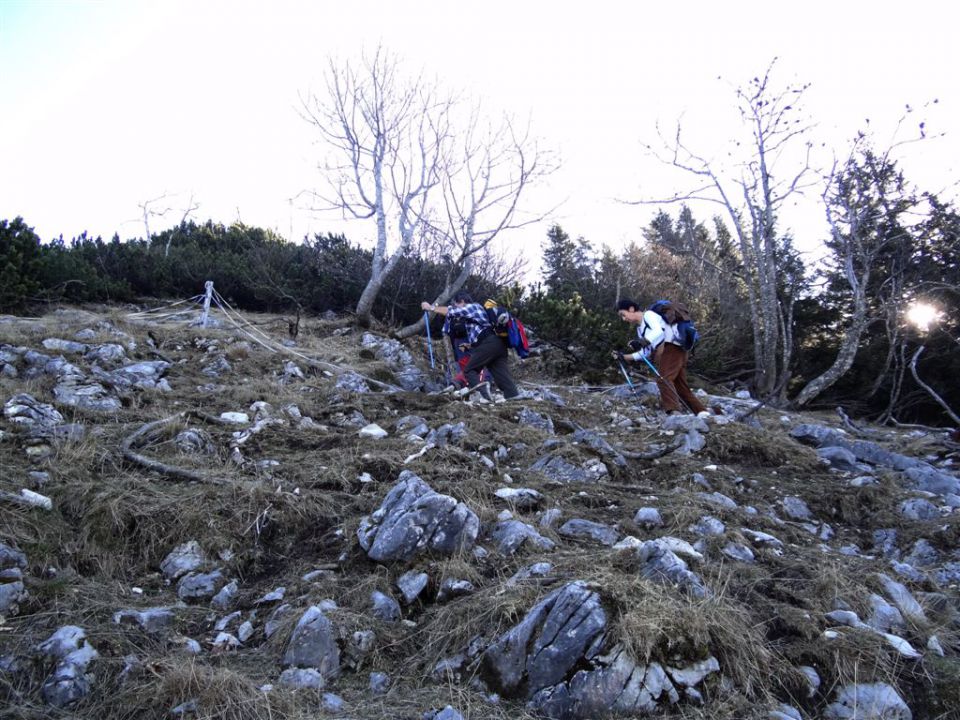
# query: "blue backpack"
[[508, 327], [678, 316]]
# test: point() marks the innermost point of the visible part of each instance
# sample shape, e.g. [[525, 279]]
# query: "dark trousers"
[[672, 364], [491, 353]]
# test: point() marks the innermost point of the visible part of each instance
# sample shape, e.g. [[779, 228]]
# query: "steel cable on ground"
[[151, 313], [276, 347]]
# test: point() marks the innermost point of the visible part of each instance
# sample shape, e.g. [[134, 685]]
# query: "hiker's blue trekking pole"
[[666, 384], [626, 376], [426, 320]]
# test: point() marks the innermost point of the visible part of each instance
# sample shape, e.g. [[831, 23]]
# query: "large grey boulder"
[[558, 659], [923, 475], [868, 701], [313, 644], [929, 479], [557, 634], [414, 518]]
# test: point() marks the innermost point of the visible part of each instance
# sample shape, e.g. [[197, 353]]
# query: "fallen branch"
[[921, 383], [141, 437], [849, 424]]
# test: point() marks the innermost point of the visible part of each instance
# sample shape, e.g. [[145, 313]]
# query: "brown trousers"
[[671, 362]]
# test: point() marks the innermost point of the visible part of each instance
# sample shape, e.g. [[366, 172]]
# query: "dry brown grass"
[[113, 523]]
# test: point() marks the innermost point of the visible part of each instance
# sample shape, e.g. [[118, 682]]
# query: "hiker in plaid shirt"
[[487, 349]]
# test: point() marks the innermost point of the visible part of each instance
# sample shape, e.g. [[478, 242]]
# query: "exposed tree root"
[[143, 436]]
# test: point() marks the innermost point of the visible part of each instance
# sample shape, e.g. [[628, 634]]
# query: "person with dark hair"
[[656, 340], [486, 348]]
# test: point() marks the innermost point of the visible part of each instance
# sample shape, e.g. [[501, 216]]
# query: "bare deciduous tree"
[[868, 207], [149, 209], [388, 138], [752, 195], [482, 184]]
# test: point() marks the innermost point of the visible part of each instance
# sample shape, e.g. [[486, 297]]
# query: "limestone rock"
[[313, 644], [413, 518]]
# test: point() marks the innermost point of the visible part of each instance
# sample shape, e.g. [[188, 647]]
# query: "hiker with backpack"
[[456, 332], [487, 349], [665, 337]]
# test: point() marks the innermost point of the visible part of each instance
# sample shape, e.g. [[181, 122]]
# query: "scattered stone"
[[235, 418], [411, 584], [183, 559], [200, 586], [25, 411], [648, 518], [739, 552], [385, 607], [693, 674], [839, 458], [373, 431], [874, 701], [303, 679], [796, 509], [520, 498], [225, 641], [718, 499], [919, 509], [902, 598], [227, 595], [537, 570], [510, 535], [536, 420], [332, 703], [313, 644], [152, 620], [556, 469], [708, 526], [578, 528], [72, 653], [379, 683], [275, 620]]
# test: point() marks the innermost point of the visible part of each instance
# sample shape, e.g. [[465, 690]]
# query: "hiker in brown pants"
[[656, 339]]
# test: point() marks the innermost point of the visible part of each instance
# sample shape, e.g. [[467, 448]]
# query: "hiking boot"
[[483, 390]]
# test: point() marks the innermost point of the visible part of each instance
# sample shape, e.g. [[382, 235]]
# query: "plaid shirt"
[[475, 316]]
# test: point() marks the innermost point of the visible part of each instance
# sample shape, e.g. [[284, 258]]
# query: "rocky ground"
[[212, 523]]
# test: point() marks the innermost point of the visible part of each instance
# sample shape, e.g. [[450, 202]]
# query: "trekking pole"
[[426, 321], [633, 388], [667, 384]]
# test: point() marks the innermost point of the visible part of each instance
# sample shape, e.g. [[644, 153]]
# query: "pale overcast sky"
[[108, 104]]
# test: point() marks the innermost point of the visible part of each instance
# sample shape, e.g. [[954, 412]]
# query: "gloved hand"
[[617, 355], [638, 344]]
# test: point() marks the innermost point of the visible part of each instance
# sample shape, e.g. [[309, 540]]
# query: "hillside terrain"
[[223, 522]]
